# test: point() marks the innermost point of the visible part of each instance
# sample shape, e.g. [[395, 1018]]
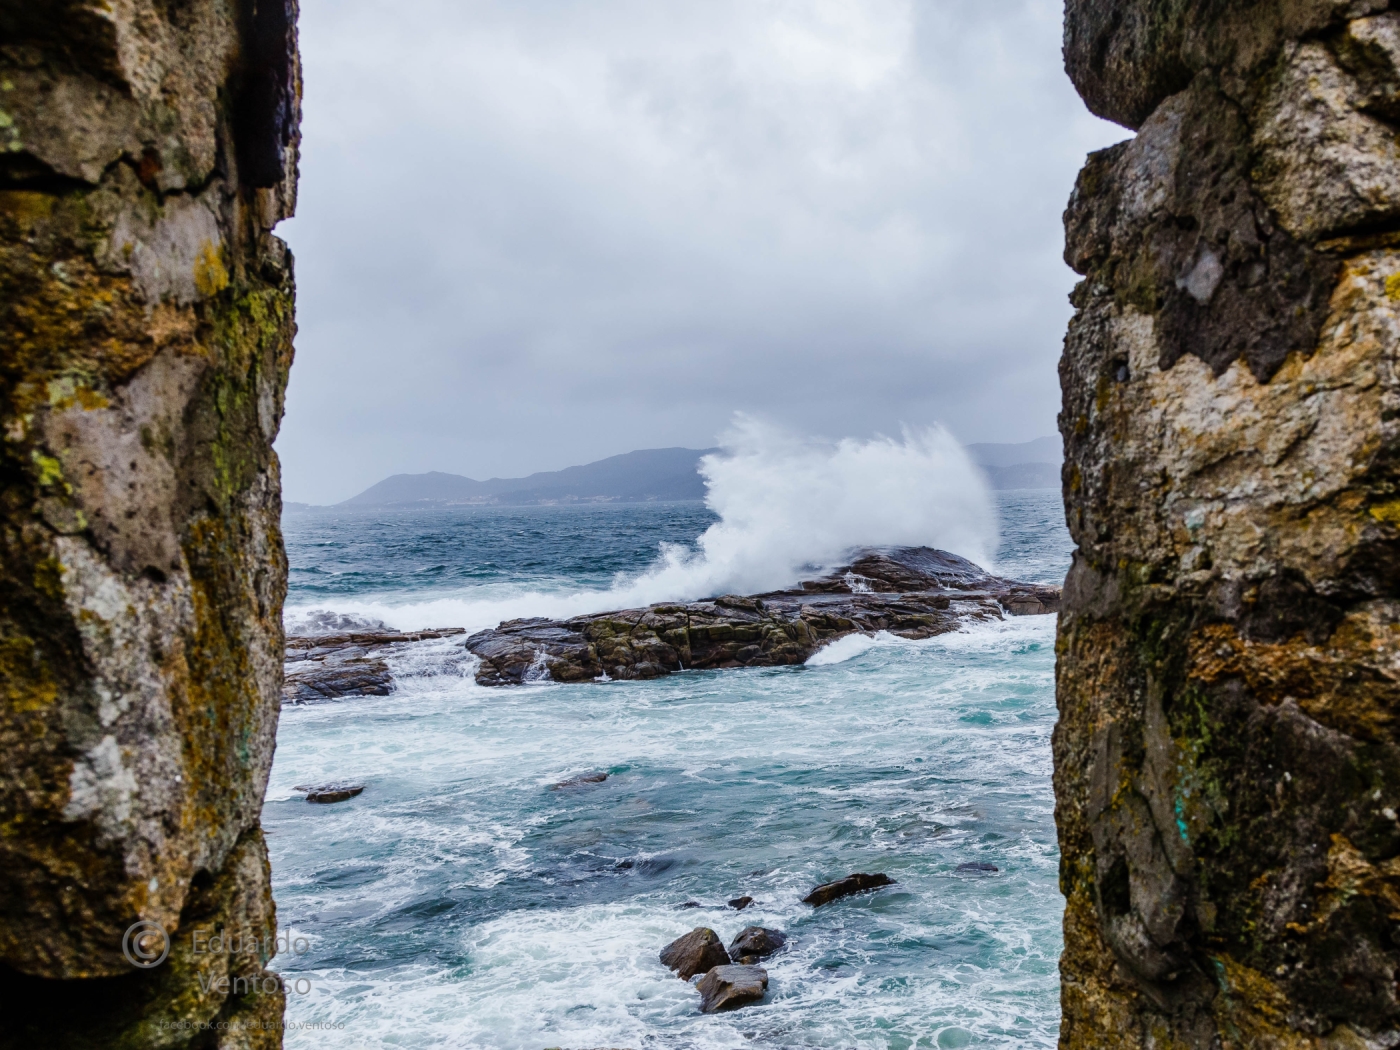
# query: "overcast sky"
[[534, 233]]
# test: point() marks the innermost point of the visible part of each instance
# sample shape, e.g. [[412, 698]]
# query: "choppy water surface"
[[461, 901]]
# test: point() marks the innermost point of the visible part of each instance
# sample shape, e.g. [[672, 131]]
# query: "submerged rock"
[[730, 986], [913, 592], [976, 868], [328, 793], [740, 903], [698, 951], [857, 883], [579, 781], [756, 942]]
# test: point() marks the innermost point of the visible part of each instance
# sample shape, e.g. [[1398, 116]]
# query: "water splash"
[[789, 506]]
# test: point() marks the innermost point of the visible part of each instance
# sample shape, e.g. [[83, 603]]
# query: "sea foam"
[[789, 506]]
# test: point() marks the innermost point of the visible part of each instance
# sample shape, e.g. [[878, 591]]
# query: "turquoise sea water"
[[461, 901]]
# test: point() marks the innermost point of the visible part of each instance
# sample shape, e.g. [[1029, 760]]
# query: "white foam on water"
[[843, 649], [788, 506], [769, 781]]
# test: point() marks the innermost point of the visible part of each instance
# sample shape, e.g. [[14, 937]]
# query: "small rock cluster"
[[731, 976]]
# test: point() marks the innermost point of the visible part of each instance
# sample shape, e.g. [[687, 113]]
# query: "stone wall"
[[1227, 776], [147, 148]]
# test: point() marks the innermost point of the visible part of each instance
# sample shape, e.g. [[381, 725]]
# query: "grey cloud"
[[533, 234]]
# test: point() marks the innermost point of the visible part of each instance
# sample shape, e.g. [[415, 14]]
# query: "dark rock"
[[740, 903], [580, 781], [857, 883], [328, 793], [756, 942], [689, 904], [728, 987], [913, 592], [698, 951], [326, 666], [1127, 56], [977, 868]]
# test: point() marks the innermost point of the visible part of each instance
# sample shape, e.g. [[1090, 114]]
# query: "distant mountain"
[[1025, 465], [659, 474], [635, 477]]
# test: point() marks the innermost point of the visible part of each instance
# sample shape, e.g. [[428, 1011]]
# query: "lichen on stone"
[[146, 320], [1227, 762]]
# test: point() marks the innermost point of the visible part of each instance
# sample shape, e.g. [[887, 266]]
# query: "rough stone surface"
[[850, 885], [729, 987], [1226, 770], [697, 952], [319, 667], [913, 592], [1127, 56], [756, 942], [146, 321]]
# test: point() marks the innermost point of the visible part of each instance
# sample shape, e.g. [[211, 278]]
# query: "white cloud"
[[534, 234]]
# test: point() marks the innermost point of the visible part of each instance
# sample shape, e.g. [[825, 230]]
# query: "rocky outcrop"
[[755, 942], [729, 987], [847, 887], [326, 794], [912, 592], [321, 667], [1226, 770], [697, 952], [146, 322]]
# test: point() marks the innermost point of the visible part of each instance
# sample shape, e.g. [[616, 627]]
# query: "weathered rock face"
[[1227, 775], [146, 151], [698, 951], [730, 987], [913, 592]]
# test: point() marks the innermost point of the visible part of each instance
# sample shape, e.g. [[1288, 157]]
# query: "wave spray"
[[789, 506]]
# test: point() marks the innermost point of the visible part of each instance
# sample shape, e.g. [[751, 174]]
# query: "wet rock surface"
[[912, 592], [729, 987], [698, 951], [1227, 769], [850, 885], [320, 667], [755, 942], [326, 794]]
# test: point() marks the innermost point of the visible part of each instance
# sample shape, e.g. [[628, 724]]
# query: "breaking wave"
[[788, 506]]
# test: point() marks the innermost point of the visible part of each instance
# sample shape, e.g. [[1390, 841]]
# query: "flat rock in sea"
[[728, 987], [327, 793], [756, 942], [698, 951], [740, 903], [318, 667], [913, 592], [581, 780], [851, 884], [976, 868]]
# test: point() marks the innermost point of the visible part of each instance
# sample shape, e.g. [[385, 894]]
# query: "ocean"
[[463, 900]]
